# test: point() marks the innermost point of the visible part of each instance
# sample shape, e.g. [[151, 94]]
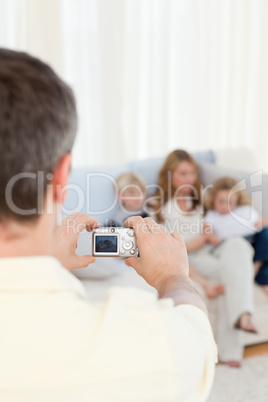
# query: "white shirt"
[[55, 346], [188, 224], [239, 222]]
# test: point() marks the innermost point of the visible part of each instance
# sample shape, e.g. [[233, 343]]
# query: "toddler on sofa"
[[131, 193], [231, 213]]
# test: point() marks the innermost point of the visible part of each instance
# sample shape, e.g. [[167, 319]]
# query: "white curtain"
[[153, 75]]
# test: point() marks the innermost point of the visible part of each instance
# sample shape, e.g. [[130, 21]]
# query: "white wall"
[[153, 75]]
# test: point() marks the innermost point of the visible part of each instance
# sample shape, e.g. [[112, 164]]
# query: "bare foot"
[[214, 289], [231, 363], [245, 323]]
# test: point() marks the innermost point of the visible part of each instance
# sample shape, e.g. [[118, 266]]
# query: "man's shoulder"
[[132, 297]]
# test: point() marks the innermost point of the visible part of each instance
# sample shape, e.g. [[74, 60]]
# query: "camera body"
[[114, 242]]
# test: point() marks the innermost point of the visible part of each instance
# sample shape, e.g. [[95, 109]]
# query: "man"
[[54, 345]]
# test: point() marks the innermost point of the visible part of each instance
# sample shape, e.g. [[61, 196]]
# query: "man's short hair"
[[38, 122]]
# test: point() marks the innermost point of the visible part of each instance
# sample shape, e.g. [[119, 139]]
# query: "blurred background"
[[153, 75]]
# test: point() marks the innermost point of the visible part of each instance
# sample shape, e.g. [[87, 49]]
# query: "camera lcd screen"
[[106, 244]]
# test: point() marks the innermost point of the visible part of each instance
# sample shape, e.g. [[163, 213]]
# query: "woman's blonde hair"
[[163, 194], [226, 183]]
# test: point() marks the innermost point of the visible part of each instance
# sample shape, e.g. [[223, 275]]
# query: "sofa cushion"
[[91, 191], [149, 169]]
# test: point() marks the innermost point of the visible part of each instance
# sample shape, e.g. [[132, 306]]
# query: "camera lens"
[[112, 230]]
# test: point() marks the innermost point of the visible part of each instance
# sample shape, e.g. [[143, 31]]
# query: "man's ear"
[[60, 178]]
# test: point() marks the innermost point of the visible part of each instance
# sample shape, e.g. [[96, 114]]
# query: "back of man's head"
[[37, 128]]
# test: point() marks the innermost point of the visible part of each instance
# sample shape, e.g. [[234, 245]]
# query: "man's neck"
[[18, 239]]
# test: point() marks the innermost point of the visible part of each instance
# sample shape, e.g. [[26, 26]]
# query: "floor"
[[256, 350]]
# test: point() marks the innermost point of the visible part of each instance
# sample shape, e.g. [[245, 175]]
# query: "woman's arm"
[[209, 234], [196, 244]]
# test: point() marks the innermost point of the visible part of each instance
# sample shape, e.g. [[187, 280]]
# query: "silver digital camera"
[[114, 242]]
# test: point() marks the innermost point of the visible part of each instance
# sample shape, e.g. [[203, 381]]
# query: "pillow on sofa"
[[148, 168], [91, 191], [255, 183], [241, 159]]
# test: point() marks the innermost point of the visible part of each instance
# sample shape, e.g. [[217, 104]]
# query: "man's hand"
[[163, 255], [65, 240], [163, 262]]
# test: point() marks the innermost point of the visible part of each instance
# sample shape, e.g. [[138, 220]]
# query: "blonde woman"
[[177, 204]]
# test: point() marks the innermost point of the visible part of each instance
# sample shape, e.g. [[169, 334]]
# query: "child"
[[131, 193], [231, 214]]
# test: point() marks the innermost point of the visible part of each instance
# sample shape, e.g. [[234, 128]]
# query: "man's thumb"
[[133, 262], [82, 261]]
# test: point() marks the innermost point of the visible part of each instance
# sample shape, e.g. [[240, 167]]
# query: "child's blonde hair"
[[226, 183], [129, 179]]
